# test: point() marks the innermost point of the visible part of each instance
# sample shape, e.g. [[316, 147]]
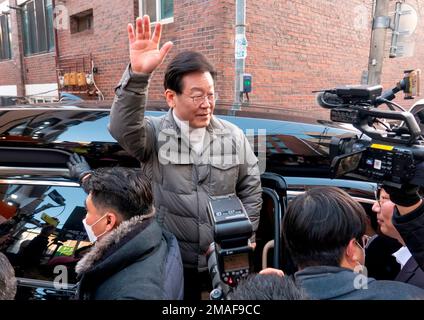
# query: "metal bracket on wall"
[[382, 22], [75, 73]]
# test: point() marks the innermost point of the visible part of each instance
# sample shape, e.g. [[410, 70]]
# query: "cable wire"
[[393, 104], [60, 212], [99, 93], [382, 123]]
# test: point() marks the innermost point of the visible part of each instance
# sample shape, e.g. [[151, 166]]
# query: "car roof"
[[251, 111], [46, 134]]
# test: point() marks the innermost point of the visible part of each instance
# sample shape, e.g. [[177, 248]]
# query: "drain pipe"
[[240, 50], [56, 46]]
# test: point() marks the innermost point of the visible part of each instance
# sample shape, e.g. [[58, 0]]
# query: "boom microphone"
[[329, 100]]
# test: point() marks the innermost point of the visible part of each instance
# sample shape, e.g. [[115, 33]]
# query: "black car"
[[36, 191]]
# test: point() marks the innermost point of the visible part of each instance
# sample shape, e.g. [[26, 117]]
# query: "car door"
[[269, 237], [42, 234]]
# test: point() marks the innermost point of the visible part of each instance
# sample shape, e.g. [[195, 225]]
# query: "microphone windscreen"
[[328, 100]]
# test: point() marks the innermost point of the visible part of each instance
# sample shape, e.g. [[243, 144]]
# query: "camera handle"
[[407, 117]]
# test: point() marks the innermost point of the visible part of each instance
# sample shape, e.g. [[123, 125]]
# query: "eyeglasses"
[[381, 197], [198, 100], [366, 240]]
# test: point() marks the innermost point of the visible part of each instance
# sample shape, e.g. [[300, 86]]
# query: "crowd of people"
[[151, 229]]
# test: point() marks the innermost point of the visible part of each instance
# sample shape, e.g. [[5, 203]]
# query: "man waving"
[[190, 155]]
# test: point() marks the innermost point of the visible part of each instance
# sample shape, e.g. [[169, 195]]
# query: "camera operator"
[[408, 216], [409, 272], [324, 232]]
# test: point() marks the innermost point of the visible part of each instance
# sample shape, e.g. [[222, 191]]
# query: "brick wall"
[[295, 47], [106, 41], [20, 70], [11, 70], [393, 68], [198, 25], [40, 68]]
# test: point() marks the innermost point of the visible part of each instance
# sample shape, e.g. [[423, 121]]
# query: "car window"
[[41, 232]]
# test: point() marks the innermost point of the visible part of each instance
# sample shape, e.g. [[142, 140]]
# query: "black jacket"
[[31, 255], [411, 229], [336, 283], [411, 273], [380, 263], [136, 261]]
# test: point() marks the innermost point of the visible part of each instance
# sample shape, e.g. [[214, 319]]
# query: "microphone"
[[329, 100]]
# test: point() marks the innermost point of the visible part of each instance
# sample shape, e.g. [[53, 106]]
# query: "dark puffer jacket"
[[136, 261], [411, 229]]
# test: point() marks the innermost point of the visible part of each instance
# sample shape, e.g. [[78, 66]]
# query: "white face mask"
[[89, 229]]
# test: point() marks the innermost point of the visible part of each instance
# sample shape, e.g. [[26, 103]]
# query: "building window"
[[82, 21], [37, 20], [158, 10], [5, 37]]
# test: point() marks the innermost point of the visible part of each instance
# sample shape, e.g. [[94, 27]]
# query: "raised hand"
[[145, 55]]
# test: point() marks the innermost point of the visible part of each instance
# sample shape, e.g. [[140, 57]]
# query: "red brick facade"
[[40, 68], [11, 72], [106, 41], [293, 47], [393, 68]]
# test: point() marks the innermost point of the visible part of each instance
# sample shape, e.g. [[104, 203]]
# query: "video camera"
[[230, 255], [386, 155]]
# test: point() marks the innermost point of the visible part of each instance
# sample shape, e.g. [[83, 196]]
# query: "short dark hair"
[[184, 63], [267, 287], [126, 190], [7, 279], [319, 224]]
